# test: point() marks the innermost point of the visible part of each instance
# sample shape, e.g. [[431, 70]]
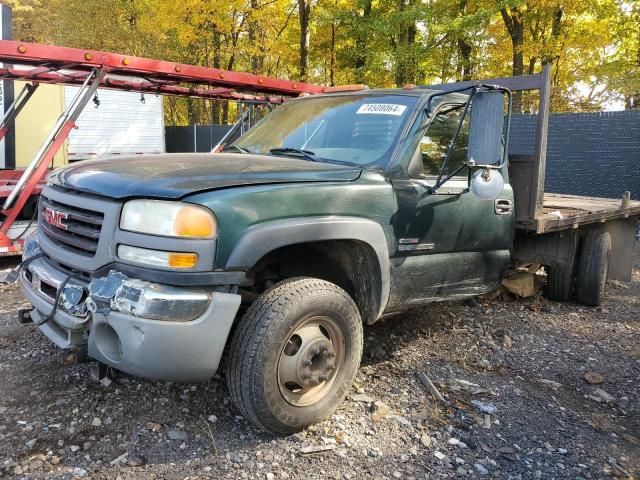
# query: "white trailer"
[[123, 123]]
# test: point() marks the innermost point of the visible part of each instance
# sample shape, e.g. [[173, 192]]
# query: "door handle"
[[503, 206]]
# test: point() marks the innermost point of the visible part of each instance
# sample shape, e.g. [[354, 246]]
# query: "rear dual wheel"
[[560, 284], [593, 268], [294, 354], [587, 282]]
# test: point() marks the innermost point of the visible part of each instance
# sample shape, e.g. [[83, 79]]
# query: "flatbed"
[[562, 211]]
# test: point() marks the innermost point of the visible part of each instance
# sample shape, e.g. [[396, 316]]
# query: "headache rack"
[[89, 70]]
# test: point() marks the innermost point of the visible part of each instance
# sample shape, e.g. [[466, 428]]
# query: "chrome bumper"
[[120, 337]]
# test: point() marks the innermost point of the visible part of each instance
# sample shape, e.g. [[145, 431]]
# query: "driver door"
[[449, 244]]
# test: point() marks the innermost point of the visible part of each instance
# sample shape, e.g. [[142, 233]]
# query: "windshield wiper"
[[295, 151], [236, 148]]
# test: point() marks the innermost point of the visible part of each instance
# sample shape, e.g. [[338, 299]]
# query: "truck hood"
[[176, 175]]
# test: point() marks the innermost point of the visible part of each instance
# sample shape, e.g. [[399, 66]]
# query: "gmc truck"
[[333, 212]]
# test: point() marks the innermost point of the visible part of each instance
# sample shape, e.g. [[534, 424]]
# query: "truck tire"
[[294, 354], [560, 284], [593, 267]]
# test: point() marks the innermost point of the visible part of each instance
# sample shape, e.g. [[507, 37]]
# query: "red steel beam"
[[13, 52], [45, 75], [8, 180]]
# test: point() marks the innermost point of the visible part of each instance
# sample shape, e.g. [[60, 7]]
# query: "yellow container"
[[35, 121]]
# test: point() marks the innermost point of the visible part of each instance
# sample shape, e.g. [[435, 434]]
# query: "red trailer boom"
[[92, 69]]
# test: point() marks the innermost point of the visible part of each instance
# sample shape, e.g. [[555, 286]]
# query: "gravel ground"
[[524, 360]]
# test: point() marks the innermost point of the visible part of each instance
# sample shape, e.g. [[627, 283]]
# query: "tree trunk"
[[405, 56], [412, 32], [132, 18], [332, 60], [225, 113], [192, 111], [464, 48], [256, 38], [515, 26], [304, 16], [217, 46], [361, 42], [466, 72], [556, 28], [225, 105]]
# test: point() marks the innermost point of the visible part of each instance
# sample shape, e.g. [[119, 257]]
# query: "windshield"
[[351, 129]]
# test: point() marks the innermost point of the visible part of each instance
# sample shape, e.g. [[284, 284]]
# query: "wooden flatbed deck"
[[561, 212]]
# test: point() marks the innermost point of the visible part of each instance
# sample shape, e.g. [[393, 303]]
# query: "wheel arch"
[[358, 246]]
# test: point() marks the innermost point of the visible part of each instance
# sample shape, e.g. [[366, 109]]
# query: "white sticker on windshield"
[[381, 109]]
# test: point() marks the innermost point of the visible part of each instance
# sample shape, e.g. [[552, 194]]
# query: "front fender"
[[266, 237]]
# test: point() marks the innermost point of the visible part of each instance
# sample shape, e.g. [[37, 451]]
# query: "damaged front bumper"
[[145, 329], [152, 301]]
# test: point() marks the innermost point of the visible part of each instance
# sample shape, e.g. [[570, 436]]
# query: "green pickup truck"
[[331, 213]]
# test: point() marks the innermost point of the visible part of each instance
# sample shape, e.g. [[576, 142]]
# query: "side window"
[[435, 142]]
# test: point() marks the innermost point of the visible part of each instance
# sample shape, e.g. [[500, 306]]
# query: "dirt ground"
[[524, 360]]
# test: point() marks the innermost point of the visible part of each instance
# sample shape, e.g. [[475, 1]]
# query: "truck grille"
[[70, 226]]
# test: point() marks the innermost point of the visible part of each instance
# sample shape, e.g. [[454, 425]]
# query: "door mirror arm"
[[441, 181], [479, 135], [470, 164], [495, 166], [443, 167]]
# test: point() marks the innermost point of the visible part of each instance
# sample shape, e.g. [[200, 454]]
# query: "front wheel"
[[294, 354]]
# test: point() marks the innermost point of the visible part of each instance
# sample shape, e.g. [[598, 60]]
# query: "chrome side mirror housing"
[[487, 183]]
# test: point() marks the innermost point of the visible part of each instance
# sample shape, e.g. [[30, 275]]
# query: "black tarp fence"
[[590, 154], [194, 138]]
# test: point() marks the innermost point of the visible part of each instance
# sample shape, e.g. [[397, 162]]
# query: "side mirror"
[[487, 183], [485, 129]]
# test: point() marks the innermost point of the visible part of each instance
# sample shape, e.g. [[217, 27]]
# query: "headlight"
[[169, 219]]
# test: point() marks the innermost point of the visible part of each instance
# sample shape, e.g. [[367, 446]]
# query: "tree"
[[361, 39], [465, 48], [594, 46], [304, 17], [623, 72], [403, 41], [513, 20]]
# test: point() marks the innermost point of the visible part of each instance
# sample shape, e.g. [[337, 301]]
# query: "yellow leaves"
[[594, 40]]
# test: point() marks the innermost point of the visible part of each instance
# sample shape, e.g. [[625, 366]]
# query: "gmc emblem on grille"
[[55, 218]]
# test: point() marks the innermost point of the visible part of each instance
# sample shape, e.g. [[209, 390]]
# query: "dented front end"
[[142, 328], [117, 292]]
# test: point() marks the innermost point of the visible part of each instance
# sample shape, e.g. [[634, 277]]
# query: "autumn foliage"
[[592, 45]]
